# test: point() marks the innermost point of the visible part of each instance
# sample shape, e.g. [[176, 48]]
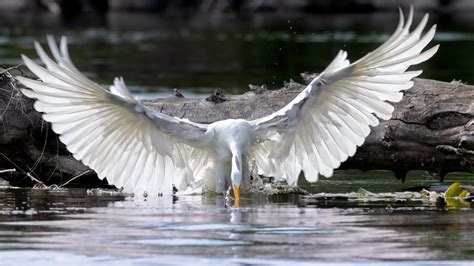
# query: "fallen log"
[[432, 129]]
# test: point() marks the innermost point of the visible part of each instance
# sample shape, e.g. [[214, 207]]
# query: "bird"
[[147, 152]]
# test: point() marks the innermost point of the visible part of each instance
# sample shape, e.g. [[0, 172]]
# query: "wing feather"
[[119, 88], [332, 116], [127, 143]]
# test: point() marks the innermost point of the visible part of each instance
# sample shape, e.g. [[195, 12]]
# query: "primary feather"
[[143, 150]]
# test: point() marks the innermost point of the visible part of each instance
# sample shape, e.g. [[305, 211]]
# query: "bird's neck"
[[236, 173]]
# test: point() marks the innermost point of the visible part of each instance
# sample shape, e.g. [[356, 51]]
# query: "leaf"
[[454, 197], [463, 194], [456, 203], [453, 191]]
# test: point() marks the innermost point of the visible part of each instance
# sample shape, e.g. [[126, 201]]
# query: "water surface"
[[77, 226]]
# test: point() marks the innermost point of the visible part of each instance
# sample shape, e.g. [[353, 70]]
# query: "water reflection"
[[116, 228]]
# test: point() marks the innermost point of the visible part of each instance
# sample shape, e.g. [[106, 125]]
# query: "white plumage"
[[143, 150]]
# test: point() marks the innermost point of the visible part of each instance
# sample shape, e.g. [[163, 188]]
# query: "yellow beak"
[[236, 195]]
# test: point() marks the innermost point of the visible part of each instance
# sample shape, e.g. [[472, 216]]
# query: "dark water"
[[156, 53], [197, 54]]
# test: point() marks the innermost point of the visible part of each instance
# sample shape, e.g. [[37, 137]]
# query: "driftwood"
[[432, 129]]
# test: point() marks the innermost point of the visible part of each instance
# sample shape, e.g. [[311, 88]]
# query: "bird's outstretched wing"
[[132, 146], [332, 116]]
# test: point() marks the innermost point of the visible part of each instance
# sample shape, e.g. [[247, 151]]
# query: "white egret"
[[143, 150]]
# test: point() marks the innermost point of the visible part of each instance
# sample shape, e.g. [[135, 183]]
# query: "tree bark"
[[432, 129]]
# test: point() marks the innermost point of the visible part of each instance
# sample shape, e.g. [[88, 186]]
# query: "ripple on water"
[[236, 228], [41, 258], [201, 227], [185, 242], [289, 230]]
